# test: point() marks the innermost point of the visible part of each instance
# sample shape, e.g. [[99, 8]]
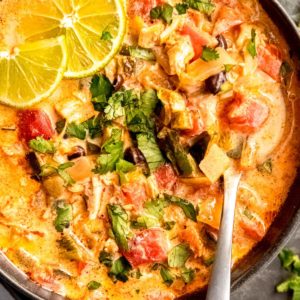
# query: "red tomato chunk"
[[34, 123], [269, 61], [246, 115], [135, 194], [148, 246], [165, 177]]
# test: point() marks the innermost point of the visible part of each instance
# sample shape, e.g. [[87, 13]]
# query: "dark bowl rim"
[[18, 280]]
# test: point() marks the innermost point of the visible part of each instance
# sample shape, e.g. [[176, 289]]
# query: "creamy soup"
[[112, 187]]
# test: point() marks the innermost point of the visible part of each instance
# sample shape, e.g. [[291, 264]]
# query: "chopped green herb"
[[156, 208], [204, 6], [141, 53], [76, 130], [178, 256], [95, 126], [166, 276], [187, 275], [119, 270], [93, 285], [187, 207], [290, 262], [209, 54], [182, 8], [266, 167], [63, 215], [252, 44], [148, 146], [163, 12], [106, 258], [61, 171], [60, 126], [106, 36], [41, 145], [124, 166], [120, 225], [148, 102], [285, 71]]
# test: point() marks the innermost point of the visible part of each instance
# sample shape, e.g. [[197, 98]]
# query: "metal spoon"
[[219, 286]]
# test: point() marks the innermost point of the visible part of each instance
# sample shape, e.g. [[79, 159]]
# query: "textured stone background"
[[261, 287]]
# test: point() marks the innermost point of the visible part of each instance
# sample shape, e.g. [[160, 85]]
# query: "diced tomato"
[[198, 126], [269, 60], [227, 19], [34, 123], [148, 246], [253, 228], [198, 42], [246, 115], [134, 193], [142, 8], [165, 177], [80, 266]]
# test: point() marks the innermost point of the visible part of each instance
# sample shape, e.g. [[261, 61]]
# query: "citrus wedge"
[[94, 30], [31, 72]]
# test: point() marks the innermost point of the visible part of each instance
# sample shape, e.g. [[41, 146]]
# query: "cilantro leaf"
[[106, 36], [119, 270], [156, 208], [120, 225], [63, 215], [187, 207], [60, 126], [182, 8], [148, 102], [204, 6], [141, 53], [101, 90], [41, 145], [61, 171], [106, 258], [187, 275], [166, 275], [95, 125], [148, 146], [76, 130], [93, 285], [209, 54], [178, 256], [163, 12], [124, 166], [252, 44]]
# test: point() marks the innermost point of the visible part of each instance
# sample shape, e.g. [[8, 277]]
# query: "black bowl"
[[282, 229]]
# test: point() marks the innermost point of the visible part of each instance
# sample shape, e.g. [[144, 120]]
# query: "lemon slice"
[[94, 30], [31, 72]]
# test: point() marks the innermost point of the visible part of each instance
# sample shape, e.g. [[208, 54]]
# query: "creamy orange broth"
[[29, 238]]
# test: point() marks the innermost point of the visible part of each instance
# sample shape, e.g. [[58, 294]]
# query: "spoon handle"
[[219, 286]]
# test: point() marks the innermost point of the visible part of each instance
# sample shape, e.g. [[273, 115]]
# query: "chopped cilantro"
[[101, 90], [106, 258], [76, 130], [124, 166], [166, 275], [178, 256], [41, 145], [141, 53], [252, 44], [204, 6], [60, 126], [63, 215], [95, 125], [93, 285], [119, 270], [156, 208], [148, 146], [187, 275], [209, 54], [106, 36], [148, 102], [290, 262], [187, 207], [182, 8], [120, 225], [163, 12]]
